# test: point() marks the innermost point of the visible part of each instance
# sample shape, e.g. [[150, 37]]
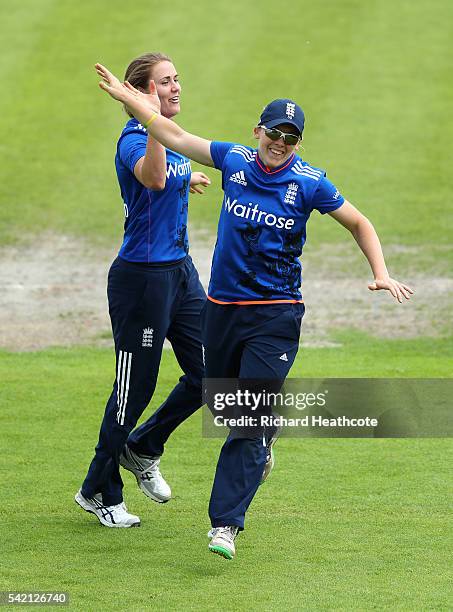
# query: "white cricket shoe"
[[146, 471], [222, 541], [110, 516]]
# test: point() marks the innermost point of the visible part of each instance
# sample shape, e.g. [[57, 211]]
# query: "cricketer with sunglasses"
[[251, 321]]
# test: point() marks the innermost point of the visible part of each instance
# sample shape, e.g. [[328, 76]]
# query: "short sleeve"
[[131, 148], [219, 151], [326, 197]]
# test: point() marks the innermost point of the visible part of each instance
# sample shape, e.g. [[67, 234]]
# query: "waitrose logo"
[[253, 212]]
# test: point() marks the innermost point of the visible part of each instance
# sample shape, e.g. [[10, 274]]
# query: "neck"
[[262, 163]]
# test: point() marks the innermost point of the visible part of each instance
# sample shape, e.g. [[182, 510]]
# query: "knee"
[[248, 447]]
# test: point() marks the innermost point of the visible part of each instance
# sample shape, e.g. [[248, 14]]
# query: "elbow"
[[155, 184], [361, 226]]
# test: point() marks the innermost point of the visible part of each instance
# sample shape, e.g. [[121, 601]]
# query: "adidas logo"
[[284, 357], [239, 177]]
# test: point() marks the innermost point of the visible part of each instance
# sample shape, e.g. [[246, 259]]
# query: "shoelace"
[[152, 471], [116, 507], [118, 511], [141, 462], [112, 510], [150, 474], [228, 531]]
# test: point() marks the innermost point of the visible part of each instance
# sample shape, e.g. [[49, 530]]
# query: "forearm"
[[368, 241], [153, 167], [170, 134], [175, 138]]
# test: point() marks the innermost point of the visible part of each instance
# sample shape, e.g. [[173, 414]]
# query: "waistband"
[[155, 266], [254, 302]]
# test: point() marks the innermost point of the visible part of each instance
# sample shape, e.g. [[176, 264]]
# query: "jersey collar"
[[268, 171]]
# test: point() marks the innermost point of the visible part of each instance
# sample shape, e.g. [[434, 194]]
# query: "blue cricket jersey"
[[155, 226], [262, 225]]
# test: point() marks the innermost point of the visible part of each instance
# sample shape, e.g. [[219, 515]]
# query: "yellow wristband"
[[148, 123]]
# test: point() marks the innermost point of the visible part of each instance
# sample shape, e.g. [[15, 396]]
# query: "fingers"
[[104, 73], [391, 286], [117, 93], [152, 88], [132, 89], [399, 296], [196, 189], [406, 288], [402, 290], [129, 87], [393, 290], [405, 291], [110, 83], [108, 89], [397, 289], [201, 178]]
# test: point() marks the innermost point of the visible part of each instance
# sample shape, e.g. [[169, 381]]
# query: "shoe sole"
[[79, 501], [223, 552]]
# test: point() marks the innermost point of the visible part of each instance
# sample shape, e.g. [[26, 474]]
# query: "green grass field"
[[341, 524], [373, 78]]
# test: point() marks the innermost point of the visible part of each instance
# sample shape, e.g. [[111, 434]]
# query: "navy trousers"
[[251, 342], [146, 305]]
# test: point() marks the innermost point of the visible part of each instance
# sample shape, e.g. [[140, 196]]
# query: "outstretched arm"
[[145, 108], [367, 239]]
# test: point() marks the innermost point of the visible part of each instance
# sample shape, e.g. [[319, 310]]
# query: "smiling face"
[[168, 88], [274, 153]]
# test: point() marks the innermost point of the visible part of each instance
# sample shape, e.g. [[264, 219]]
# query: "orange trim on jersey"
[[268, 171], [249, 303]]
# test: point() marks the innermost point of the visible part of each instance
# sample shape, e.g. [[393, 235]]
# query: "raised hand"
[[145, 107], [397, 289], [152, 94], [141, 105], [111, 84]]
